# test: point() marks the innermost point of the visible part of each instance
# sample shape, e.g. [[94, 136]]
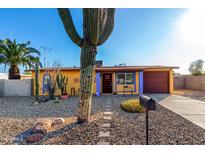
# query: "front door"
[[107, 83]]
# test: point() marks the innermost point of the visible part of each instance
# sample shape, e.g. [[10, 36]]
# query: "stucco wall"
[[75, 74], [73, 82], [171, 82], [15, 87]]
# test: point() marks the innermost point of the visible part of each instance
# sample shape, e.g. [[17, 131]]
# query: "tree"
[[36, 66], [98, 25], [54, 72], [14, 54], [196, 67]]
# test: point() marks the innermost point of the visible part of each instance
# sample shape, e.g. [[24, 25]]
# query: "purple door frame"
[[98, 84], [141, 83]]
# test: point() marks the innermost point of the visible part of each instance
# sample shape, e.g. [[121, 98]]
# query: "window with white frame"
[[125, 78]]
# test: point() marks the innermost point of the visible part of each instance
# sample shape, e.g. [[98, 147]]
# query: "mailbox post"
[[149, 104]]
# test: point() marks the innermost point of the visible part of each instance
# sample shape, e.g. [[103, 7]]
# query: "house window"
[[125, 78]]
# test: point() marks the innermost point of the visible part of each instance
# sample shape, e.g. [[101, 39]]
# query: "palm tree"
[[13, 54]]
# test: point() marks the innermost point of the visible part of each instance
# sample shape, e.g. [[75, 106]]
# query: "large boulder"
[[42, 127], [34, 138], [57, 122]]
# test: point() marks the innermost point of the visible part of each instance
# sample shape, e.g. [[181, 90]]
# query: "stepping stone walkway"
[[103, 143], [106, 125], [108, 113], [104, 133], [107, 118]]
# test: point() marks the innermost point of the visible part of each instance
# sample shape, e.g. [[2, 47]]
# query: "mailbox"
[[147, 102]]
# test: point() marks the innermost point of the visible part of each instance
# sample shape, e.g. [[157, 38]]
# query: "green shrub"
[[132, 105]]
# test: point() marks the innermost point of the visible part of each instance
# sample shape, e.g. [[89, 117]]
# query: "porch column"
[[134, 81], [97, 84], [141, 83]]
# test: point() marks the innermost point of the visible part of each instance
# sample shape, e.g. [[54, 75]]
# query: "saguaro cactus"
[[62, 83], [98, 24], [36, 81]]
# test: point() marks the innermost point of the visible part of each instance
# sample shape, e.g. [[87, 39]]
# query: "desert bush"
[[132, 105]]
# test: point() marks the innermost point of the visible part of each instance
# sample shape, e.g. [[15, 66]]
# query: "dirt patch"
[[195, 94]]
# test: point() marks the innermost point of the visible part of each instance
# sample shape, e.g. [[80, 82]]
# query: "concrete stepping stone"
[[107, 118], [103, 143], [106, 125], [108, 113], [104, 134]]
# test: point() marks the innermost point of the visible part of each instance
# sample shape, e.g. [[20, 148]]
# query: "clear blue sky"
[[138, 38]]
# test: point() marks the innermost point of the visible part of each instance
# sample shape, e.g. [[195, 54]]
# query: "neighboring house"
[[116, 79]]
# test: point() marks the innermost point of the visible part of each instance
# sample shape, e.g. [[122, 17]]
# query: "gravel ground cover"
[[195, 94], [18, 115]]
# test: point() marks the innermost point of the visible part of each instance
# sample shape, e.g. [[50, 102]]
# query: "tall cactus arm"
[[103, 18], [69, 26], [109, 25], [94, 17]]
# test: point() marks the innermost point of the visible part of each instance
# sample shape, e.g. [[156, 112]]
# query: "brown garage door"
[[156, 82]]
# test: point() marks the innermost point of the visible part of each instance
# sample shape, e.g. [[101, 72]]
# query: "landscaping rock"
[[126, 128], [165, 126], [58, 122], [34, 138], [42, 127], [35, 102]]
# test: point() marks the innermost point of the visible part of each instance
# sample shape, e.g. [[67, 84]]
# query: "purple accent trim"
[[97, 84], [141, 83]]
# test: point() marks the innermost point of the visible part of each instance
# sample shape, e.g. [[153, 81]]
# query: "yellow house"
[[115, 79]]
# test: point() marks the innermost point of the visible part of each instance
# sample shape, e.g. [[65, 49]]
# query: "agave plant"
[[13, 54]]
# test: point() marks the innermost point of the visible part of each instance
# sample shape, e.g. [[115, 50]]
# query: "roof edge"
[[115, 67]]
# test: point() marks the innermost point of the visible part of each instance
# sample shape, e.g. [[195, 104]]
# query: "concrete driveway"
[[191, 109]]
